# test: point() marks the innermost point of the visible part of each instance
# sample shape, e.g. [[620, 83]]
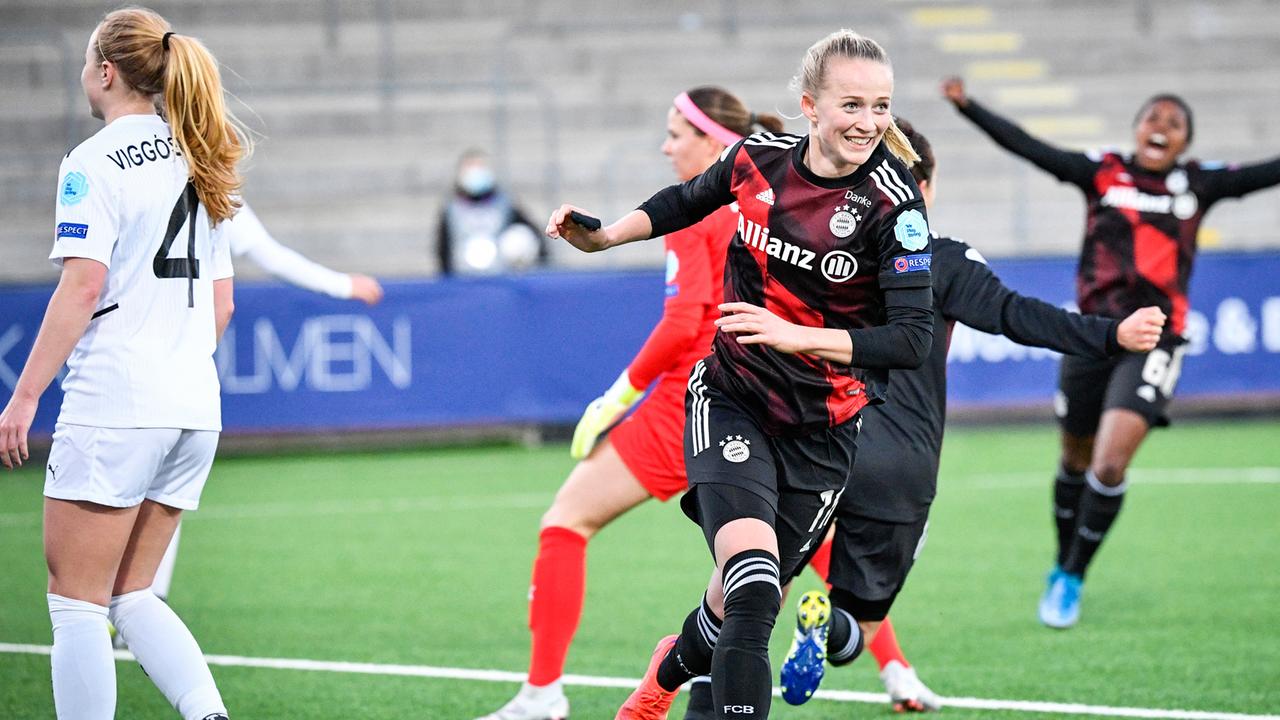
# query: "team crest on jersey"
[[838, 266], [735, 449], [844, 222], [74, 188], [911, 230], [1177, 182]]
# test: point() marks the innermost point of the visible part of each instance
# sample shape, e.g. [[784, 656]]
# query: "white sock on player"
[[84, 667], [164, 573], [167, 651]]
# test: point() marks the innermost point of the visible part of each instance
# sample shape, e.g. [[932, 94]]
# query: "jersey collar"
[[844, 181]]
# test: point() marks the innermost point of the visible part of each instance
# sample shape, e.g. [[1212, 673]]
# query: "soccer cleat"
[[534, 703], [1060, 605], [805, 665], [906, 692], [650, 701]]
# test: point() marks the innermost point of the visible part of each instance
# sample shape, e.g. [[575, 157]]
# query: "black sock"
[[691, 655], [701, 706], [741, 678], [1099, 506], [1067, 489], [844, 643]]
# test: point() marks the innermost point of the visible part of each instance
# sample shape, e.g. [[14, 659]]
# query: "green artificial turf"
[[423, 558]]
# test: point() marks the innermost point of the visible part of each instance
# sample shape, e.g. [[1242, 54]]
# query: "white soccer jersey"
[[248, 238], [146, 360]]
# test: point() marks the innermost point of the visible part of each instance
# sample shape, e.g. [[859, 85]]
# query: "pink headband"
[[700, 120]]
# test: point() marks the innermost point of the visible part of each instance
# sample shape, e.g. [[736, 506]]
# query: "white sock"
[[167, 651], [84, 667], [164, 573], [545, 693]]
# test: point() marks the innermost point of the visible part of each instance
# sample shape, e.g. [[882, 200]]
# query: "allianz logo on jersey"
[[836, 266], [1131, 198]]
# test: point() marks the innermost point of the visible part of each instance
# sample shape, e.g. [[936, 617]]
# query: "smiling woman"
[[818, 307], [1144, 215], [853, 76], [624, 462]]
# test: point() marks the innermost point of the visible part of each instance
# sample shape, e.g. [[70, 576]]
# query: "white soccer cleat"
[[534, 703], [906, 692]]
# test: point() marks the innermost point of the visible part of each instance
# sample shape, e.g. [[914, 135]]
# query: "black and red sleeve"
[[678, 206], [1073, 167], [1235, 181]]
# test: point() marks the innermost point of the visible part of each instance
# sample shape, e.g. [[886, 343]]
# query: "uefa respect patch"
[[74, 188], [912, 263], [911, 230], [75, 231]]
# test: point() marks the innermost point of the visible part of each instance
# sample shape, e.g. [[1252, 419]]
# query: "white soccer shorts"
[[120, 467]]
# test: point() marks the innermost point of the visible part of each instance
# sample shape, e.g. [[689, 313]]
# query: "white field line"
[[427, 671], [1145, 476], [521, 501], [254, 511]]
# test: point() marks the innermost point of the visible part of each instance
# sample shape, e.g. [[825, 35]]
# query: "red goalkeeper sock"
[[885, 646], [555, 601], [821, 561]]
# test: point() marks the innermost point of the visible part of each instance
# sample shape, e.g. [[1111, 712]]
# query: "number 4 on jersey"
[[165, 267]]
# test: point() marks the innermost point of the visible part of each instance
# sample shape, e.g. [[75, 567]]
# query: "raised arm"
[[1072, 167], [1239, 180]]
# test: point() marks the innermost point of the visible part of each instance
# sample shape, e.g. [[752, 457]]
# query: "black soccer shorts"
[[737, 471], [870, 561], [1141, 382]]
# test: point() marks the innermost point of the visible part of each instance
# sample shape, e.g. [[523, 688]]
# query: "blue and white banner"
[[538, 348], [1233, 329]]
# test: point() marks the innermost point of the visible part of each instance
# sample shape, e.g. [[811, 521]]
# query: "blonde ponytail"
[[900, 145], [155, 61], [211, 139]]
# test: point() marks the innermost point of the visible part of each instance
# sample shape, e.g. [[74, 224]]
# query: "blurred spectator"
[[481, 230]]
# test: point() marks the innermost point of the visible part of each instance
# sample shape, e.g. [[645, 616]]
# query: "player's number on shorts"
[[184, 211], [1162, 370], [829, 500]]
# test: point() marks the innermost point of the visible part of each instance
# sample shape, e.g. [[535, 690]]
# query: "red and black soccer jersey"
[[815, 251], [895, 474], [1141, 227]]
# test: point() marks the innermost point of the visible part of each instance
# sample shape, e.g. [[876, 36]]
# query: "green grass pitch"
[[423, 558]]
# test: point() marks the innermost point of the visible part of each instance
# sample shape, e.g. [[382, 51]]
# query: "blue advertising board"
[[538, 348]]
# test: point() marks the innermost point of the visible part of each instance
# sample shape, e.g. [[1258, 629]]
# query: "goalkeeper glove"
[[601, 413]]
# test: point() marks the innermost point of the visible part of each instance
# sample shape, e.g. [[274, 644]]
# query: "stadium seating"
[[365, 105]]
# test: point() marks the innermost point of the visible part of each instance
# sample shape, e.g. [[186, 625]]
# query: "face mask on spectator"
[[476, 180]]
